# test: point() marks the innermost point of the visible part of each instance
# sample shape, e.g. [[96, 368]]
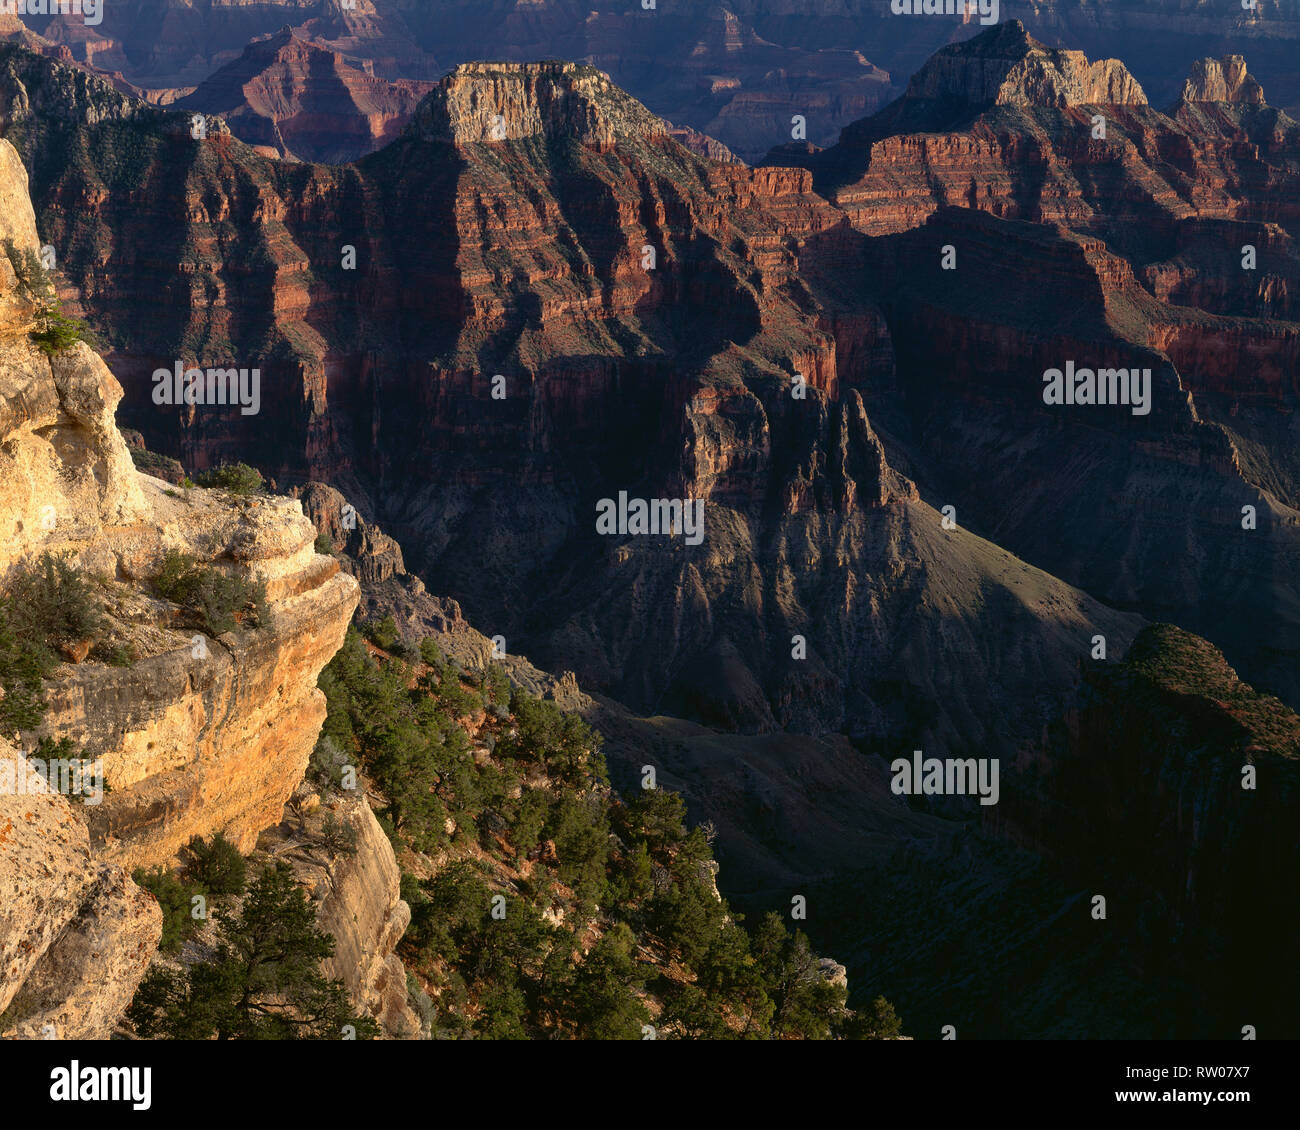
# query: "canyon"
[[735, 73], [947, 548]]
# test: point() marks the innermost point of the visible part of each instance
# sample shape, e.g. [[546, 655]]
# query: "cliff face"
[[1002, 124], [76, 935], [358, 902], [295, 99], [1008, 67], [480, 102], [647, 311], [1222, 80], [196, 735]]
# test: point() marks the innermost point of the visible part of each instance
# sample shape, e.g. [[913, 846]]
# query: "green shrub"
[[262, 982], [431, 654], [529, 819], [238, 478], [324, 546], [57, 332], [219, 599], [116, 655], [497, 686], [382, 633], [23, 668], [174, 896], [338, 837], [51, 603], [217, 867], [31, 272]]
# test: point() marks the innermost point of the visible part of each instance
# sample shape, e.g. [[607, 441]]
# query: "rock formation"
[[359, 904], [1222, 80], [196, 735], [297, 100], [1006, 66], [76, 935]]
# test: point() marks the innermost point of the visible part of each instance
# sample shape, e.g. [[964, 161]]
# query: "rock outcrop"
[[1222, 80], [1006, 66], [76, 935], [193, 734], [358, 902], [480, 102]]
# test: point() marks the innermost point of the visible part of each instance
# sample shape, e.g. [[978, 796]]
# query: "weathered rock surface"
[[358, 901], [1008, 67], [76, 935], [198, 735], [1222, 80]]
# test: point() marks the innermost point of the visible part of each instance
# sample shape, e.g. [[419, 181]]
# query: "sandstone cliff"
[[194, 735], [480, 102], [1222, 80], [358, 902], [76, 935]]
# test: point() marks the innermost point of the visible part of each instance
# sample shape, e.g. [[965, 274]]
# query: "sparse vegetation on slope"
[[262, 982], [219, 600], [543, 905]]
